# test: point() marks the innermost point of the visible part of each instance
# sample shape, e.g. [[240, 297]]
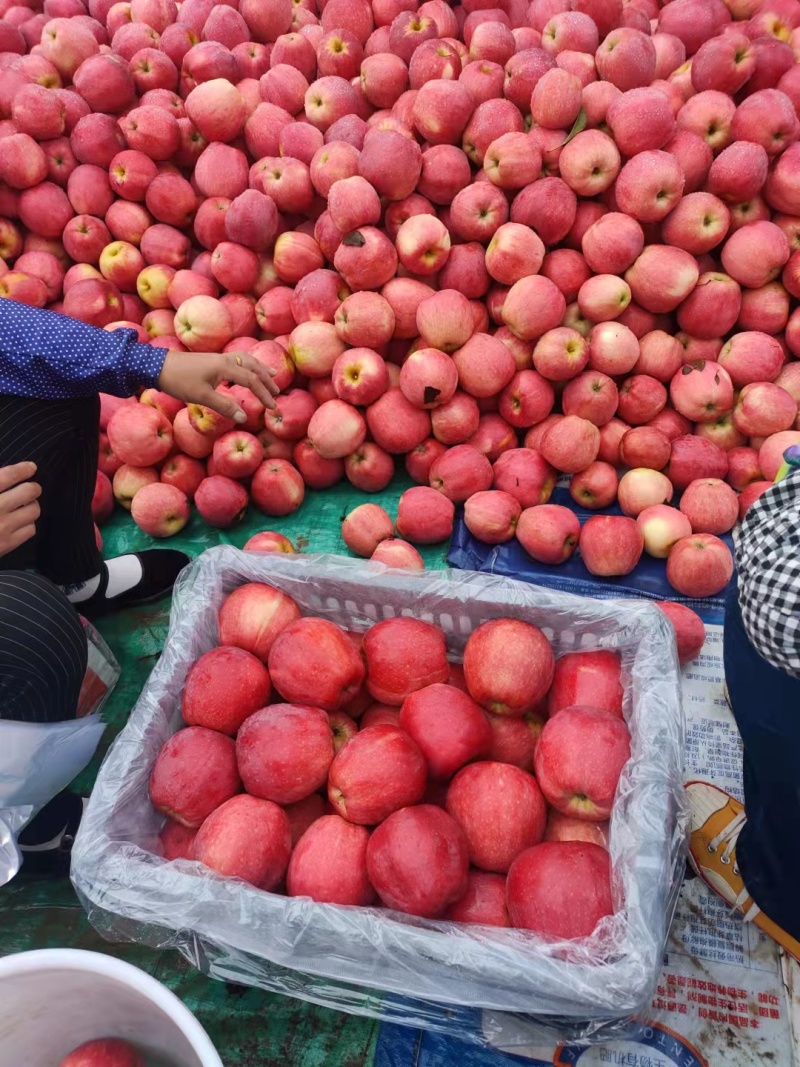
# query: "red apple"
[[379, 771], [699, 565], [449, 727], [508, 666], [224, 687], [284, 752], [579, 760], [592, 679], [560, 889], [403, 655], [690, 633]]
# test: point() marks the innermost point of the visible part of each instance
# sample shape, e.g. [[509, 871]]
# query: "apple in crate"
[[313, 662], [566, 828], [560, 889], [501, 810], [508, 666], [329, 863], [253, 616], [193, 774], [224, 687], [589, 678], [579, 760], [418, 861], [449, 727], [246, 838], [284, 752], [107, 1052], [377, 772], [403, 655], [484, 901]]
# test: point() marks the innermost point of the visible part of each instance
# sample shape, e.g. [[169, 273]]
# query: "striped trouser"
[[61, 438], [43, 650]]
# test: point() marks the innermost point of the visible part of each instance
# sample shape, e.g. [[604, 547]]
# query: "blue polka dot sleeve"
[[52, 357]]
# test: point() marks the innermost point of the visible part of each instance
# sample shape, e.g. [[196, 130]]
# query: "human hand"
[[194, 376], [19, 507]]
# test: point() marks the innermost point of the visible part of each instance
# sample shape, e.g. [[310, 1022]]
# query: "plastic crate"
[[373, 961]]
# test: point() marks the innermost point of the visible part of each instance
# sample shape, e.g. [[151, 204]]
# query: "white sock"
[[124, 572]]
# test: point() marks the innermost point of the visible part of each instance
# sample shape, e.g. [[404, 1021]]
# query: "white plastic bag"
[[38, 760], [373, 961]]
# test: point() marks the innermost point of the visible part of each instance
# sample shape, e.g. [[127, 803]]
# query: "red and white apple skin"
[[449, 727], [313, 662], [514, 740], [566, 828], [710, 505], [699, 565], [398, 554], [418, 861], [402, 656], [579, 760], [592, 679], [329, 864], [549, 533], [560, 890], [690, 631], [160, 510], [501, 810], [484, 901], [193, 774], [253, 615], [106, 1052], [224, 687], [378, 771], [365, 527], [611, 545], [246, 838], [661, 527], [492, 516], [284, 752], [269, 541], [508, 666]]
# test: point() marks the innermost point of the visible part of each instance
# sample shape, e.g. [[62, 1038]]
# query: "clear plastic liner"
[[371, 961]]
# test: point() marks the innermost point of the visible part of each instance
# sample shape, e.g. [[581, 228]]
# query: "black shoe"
[[46, 842], [160, 568]]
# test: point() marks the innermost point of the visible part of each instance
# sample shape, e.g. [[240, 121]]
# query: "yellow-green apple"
[[129, 480], [661, 527]]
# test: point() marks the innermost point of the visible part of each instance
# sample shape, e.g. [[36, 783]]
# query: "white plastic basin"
[[53, 1000]]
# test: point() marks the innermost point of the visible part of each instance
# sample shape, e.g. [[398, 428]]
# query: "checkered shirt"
[[768, 561]]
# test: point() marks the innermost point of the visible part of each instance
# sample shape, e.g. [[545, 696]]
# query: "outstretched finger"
[[242, 373], [223, 404]]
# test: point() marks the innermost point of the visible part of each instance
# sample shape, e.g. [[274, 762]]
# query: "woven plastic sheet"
[[375, 962]]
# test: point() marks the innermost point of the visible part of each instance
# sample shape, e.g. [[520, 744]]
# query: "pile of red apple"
[[499, 239], [370, 769]]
